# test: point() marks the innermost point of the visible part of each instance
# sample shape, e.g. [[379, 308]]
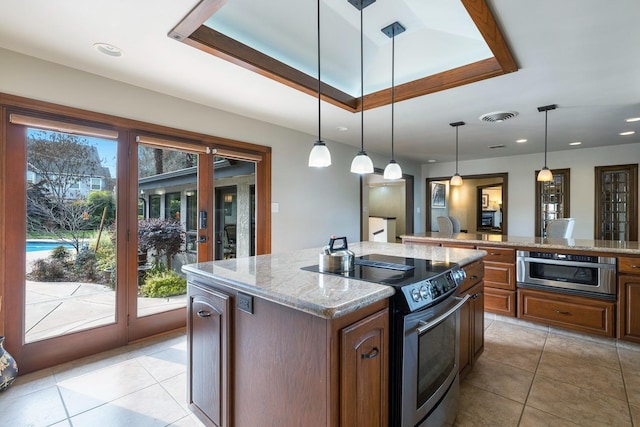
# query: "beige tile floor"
[[531, 375], [528, 375]]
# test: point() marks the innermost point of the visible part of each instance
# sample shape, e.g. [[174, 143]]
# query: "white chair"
[[445, 225], [455, 222], [562, 228]]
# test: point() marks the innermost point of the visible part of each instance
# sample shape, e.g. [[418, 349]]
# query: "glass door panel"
[[70, 237], [235, 208], [167, 183]]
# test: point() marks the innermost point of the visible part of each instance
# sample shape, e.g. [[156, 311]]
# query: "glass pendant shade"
[[545, 175], [362, 163], [392, 171], [320, 157], [456, 180]]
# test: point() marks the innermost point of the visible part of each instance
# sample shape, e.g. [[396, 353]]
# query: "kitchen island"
[[272, 344], [618, 317]]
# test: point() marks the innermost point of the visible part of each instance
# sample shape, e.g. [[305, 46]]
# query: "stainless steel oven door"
[[430, 361], [591, 277]]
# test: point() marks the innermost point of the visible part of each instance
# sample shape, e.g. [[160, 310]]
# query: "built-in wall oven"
[[423, 338], [586, 275]]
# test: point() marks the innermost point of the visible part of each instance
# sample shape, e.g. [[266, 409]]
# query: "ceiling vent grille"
[[493, 147], [498, 116]]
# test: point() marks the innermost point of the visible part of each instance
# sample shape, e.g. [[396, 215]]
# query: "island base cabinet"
[[208, 363], [364, 372], [567, 311], [629, 307], [471, 329]]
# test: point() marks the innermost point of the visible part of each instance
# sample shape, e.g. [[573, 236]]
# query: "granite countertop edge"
[[608, 246], [279, 278]]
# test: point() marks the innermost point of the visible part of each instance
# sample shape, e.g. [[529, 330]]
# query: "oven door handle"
[[425, 326]]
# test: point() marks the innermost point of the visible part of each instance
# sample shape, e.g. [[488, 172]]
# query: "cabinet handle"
[[635, 266], [473, 277], [562, 312], [474, 296], [203, 313], [372, 354]]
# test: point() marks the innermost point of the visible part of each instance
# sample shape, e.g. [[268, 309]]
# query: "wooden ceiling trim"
[[231, 50], [463, 75], [486, 23], [191, 31]]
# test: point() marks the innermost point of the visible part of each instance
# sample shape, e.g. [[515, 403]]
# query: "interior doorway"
[[387, 207], [478, 196]]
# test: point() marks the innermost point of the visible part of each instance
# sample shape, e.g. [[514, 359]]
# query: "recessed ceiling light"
[[629, 132], [575, 143], [431, 161], [632, 119], [520, 141], [108, 49], [342, 128]]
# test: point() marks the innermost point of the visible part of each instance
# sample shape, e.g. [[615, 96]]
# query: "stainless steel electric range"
[[424, 335]]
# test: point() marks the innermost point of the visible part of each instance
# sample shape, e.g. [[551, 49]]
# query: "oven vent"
[[498, 116]]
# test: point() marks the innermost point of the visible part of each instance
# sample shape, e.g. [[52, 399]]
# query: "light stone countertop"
[[610, 246], [280, 279]]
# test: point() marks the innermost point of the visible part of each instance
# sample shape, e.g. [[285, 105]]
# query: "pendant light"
[[456, 179], [393, 169], [545, 174], [320, 157], [362, 163]]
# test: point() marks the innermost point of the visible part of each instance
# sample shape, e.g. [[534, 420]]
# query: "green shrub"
[[160, 284], [60, 253], [48, 270], [86, 265]]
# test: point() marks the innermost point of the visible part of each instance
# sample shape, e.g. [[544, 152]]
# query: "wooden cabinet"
[[568, 311], [471, 317], [254, 362], [629, 299], [363, 372], [208, 340], [500, 280]]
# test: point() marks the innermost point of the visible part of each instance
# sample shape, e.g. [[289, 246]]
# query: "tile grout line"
[[624, 384], [535, 372]]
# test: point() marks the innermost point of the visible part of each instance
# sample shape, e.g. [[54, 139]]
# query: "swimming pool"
[[33, 246]]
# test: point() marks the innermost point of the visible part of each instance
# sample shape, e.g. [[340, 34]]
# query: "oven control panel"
[[427, 292]]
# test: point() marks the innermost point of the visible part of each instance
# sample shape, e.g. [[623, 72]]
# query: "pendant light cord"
[[457, 149], [393, 87], [319, 103], [545, 137], [361, 81]]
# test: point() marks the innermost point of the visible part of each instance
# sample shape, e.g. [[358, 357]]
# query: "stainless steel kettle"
[[336, 256]]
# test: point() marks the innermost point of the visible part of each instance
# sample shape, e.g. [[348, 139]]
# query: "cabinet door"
[[363, 372], [629, 307], [208, 365], [477, 342], [465, 355]]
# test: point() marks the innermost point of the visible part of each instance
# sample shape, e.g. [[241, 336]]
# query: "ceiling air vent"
[[496, 146], [498, 116]]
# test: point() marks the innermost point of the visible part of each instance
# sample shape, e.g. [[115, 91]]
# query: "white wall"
[[313, 203], [521, 170]]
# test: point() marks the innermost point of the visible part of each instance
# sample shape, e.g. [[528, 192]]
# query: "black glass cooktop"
[[391, 270]]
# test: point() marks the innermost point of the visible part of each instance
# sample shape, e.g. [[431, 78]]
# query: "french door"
[[96, 236]]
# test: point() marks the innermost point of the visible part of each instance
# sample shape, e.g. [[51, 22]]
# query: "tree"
[[163, 236], [59, 162]]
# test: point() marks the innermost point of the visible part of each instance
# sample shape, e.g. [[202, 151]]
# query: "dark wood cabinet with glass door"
[[552, 200]]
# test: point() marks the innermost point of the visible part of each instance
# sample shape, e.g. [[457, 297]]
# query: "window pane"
[[71, 240]]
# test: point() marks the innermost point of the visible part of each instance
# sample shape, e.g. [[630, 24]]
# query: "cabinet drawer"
[[499, 301], [629, 265], [505, 255], [475, 273], [568, 311], [498, 275]]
